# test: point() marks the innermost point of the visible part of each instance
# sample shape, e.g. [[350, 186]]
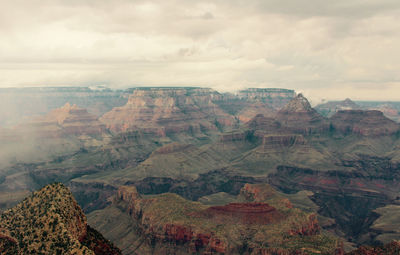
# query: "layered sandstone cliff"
[[166, 111]]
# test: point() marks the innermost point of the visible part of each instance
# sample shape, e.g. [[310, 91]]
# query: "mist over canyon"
[[167, 170]]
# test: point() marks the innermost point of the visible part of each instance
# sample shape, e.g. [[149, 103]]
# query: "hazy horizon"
[[325, 50]]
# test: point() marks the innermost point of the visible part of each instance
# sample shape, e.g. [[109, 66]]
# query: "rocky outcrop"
[[389, 109], [365, 123], [299, 117], [166, 111], [50, 221], [168, 221]]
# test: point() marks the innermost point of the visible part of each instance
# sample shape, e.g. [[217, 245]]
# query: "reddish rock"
[[365, 123], [217, 235], [75, 120], [168, 111], [245, 213], [299, 117], [178, 233]]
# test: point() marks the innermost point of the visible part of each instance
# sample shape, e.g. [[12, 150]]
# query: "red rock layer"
[[196, 238], [365, 123], [245, 213], [252, 109]]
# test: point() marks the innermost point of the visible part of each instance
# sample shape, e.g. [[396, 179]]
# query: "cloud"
[[308, 45]]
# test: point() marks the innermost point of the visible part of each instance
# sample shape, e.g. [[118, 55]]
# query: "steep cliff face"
[[169, 223], [169, 110], [365, 123], [50, 222]]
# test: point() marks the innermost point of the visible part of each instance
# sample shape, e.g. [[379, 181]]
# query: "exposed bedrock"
[[348, 197]]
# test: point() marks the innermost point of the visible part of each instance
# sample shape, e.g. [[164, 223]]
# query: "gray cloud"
[[327, 49]]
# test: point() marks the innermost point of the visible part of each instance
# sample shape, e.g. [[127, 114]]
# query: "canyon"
[[260, 157]]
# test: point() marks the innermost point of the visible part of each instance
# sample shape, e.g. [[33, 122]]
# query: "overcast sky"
[[325, 49]]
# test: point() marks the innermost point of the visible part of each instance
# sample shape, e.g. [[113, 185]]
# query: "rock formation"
[[50, 222], [252, 225], [61, 122], [299, 117], [166, 111], [365, 123]]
